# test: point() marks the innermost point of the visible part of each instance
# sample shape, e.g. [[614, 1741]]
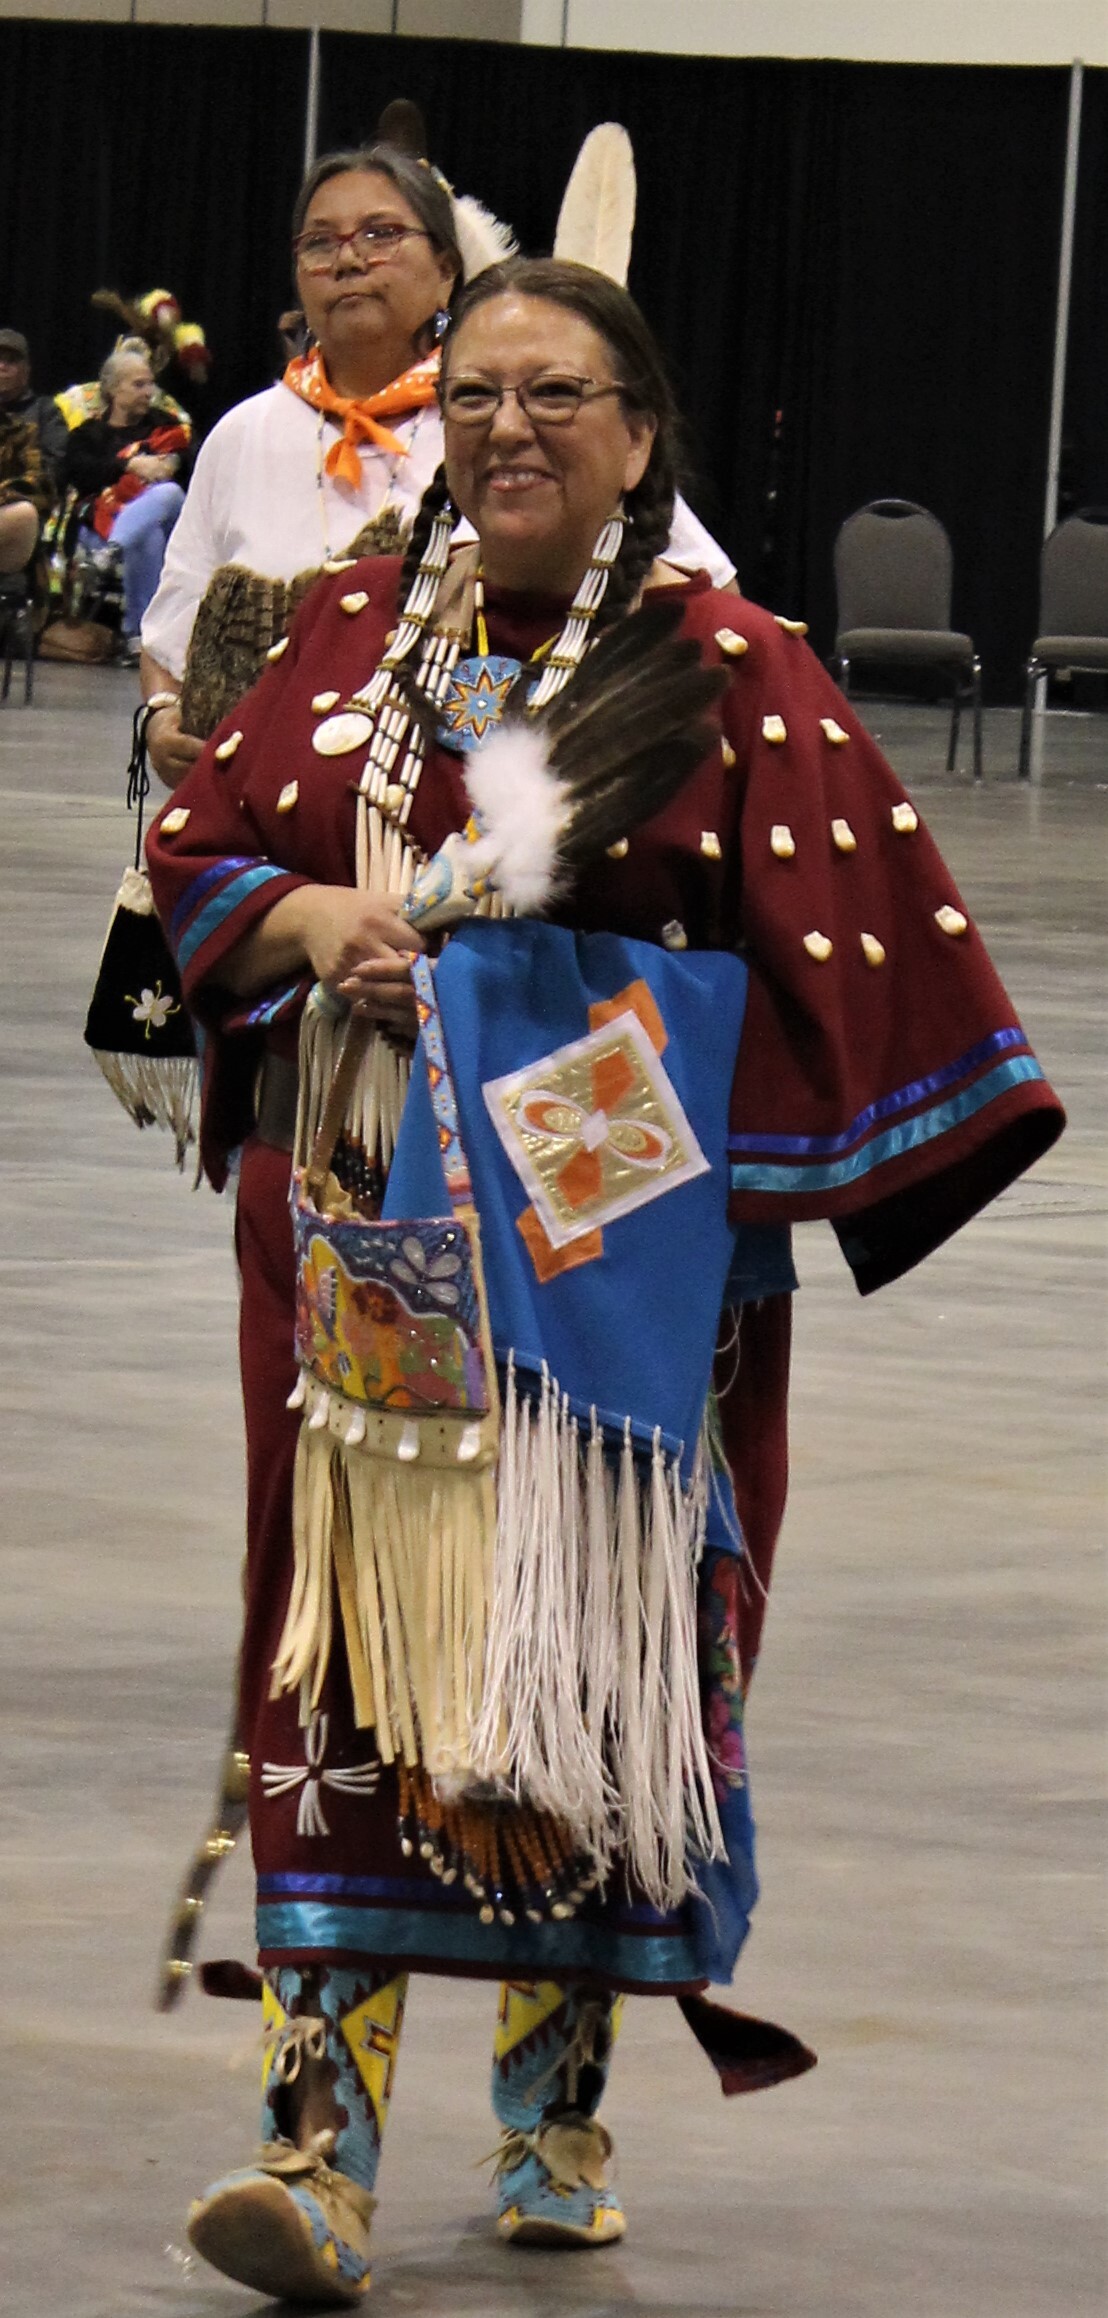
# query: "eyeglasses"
[[317, 251], [548, 401]]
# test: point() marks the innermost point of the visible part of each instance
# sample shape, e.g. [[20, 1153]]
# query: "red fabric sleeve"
[[883, 1078], [257, 816]]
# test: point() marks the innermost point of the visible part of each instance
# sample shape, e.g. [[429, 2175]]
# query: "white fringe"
[[592, 1693], [373, 1117], [413, 1600], [156, 1093]]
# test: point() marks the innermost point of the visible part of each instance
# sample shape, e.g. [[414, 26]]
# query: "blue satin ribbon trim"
[[887, 1107], [223, 906], [896, 1142], [541, 1951], [415, 1889], [194, 894], [271, 1009]]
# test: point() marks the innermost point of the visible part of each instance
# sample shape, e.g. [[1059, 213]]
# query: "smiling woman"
[[500, 1610], [542, 442]]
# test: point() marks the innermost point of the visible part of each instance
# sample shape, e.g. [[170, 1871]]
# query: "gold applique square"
[[595, 1129]]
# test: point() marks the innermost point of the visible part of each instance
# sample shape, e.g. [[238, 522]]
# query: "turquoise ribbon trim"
[[221, 906], [912, 1136], [544, 1950]]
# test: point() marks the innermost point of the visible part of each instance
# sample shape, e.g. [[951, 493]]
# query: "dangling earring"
[[440, 324]]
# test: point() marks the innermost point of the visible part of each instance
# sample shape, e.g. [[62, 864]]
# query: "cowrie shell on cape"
[[727, 753], [288, 796], [322, 701], [781, 841], [818, 946], [775, 730], [277, 651], [356, 601], [873, 951], [174, 821], [337, 735], [710, 845], [951, 921], [227, 747], [833, 731], [731, 643], [618, 851], [791, 627], [844, 837], [905, 819]]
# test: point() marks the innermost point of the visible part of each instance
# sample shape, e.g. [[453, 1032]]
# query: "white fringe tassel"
[[373, 1118], [156, 1093], [405, 1550], [592, 1693]]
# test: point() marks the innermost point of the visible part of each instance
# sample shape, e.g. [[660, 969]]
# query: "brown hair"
[[640, 371], [420, 186]]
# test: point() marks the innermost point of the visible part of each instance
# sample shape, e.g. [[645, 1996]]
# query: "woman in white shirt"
[[332, 460]]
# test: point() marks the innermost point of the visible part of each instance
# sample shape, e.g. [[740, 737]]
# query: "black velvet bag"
[[137, 1025]]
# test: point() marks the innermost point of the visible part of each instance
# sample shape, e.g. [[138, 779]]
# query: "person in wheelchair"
[[127, 467]]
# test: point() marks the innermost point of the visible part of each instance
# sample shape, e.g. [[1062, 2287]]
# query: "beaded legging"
[[551, 2053]]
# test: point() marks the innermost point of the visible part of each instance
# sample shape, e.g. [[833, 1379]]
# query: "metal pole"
[[1061, 345], [1065, 283], [311, 110]]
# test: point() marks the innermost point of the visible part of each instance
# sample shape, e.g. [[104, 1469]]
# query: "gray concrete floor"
[[926, 1728]]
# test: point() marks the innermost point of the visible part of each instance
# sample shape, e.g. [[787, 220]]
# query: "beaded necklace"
[[380, 713]]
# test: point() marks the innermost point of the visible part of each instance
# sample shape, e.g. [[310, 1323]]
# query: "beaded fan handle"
[[443, 1100]]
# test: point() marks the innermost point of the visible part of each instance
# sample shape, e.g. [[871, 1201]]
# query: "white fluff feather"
[[482, 239], [597, 216], [521, 806]]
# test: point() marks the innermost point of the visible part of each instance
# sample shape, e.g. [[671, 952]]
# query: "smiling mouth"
[[509, 479]]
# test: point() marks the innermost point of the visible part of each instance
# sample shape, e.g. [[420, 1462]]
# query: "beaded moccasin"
[[288, 2225], [552, 2187]]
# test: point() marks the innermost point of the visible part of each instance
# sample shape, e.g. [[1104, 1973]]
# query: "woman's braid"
[[649, 512], [434, 499]]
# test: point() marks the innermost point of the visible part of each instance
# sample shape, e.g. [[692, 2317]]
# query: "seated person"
[[32, 440], [127, 466]]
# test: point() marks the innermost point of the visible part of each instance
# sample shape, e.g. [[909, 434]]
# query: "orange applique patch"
[[638, 998], [548, 1260], [581, 1179]]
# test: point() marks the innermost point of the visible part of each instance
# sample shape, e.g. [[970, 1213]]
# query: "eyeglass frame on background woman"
[[318, 250]]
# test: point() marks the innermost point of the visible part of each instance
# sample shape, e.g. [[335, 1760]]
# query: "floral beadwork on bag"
[[389, 1317]]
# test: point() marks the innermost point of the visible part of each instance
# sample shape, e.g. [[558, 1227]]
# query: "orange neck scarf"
[[361, 415]]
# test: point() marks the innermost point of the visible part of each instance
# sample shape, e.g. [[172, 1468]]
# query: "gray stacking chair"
[[894, 570], [1073, 609]]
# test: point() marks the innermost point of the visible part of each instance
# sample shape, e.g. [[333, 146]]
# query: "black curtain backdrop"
[[138, 157], [1084, 479], [852, 268]]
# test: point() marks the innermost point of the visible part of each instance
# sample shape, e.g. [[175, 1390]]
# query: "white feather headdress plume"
[[597, 216], [482, 239]]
